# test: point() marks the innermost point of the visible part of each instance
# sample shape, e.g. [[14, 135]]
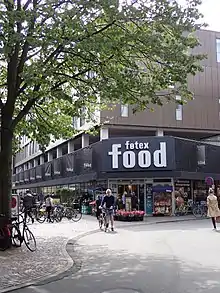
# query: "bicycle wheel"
[[41, 217], [16, 236], [58, 217], [77, 215], [177, 212], [186, 211], [197, 212], [29, 240], [69, 213], [100, 222]]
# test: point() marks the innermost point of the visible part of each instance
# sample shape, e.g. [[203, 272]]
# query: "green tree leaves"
[[59, 56]]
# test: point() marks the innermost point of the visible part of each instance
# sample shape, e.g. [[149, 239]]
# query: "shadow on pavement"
[[105, 269]]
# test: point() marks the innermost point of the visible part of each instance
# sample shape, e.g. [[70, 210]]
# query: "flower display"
[[122, 215]]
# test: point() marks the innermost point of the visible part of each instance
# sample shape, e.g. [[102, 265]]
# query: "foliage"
[[60, 56]]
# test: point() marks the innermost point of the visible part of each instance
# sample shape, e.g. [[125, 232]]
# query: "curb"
[[160, 222], [53, 276]]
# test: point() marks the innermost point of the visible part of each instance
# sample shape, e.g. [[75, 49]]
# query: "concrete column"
[[104, 133], [70, 146], [29, 165], [59, 152], [159, 132], [41, 159], [35, 162], [85, 140], [50, 156]]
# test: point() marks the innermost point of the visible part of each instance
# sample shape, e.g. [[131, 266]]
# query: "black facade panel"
[[57, 168], [68, 165], [212, 159], [133, 157], [26, 176], [48, 171], [83, 161], [186, 155], [135, 154], [33, 174], [21, 178], [39, 173]]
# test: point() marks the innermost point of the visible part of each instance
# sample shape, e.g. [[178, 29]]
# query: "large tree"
[[58, 57]]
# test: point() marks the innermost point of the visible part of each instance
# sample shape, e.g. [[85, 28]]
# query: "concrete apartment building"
[[73, 164]]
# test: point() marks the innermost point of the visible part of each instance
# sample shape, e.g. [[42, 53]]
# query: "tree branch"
[[26, 108], [25, 7], [24, 53]]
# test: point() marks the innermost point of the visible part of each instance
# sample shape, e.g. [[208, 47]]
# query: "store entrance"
[[129, 194]]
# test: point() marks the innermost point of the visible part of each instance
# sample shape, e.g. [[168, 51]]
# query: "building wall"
[[200, 113]]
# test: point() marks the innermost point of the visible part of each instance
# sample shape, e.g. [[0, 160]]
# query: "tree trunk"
[[6, 168]]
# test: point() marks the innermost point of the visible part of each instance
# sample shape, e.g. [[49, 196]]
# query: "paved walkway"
[[20, 266]]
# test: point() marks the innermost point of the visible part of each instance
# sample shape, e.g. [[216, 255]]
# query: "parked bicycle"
[[55, 216], [200, 210], [70, 213], [184, 209], [21, 233]]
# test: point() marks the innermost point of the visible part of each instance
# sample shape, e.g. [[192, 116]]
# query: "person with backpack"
[[28, 205]]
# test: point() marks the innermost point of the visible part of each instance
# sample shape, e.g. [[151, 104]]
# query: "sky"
[[211, 11]]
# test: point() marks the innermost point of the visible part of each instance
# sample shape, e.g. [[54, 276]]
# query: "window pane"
[[179, 114], [218, 57], [124, 110], [218, 45]]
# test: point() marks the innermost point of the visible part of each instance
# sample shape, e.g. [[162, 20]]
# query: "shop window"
[[201, 154]]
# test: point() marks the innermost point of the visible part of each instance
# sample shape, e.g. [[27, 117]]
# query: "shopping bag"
[[218, 219]]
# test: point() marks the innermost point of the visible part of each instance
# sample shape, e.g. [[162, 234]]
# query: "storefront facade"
[[152, 168]]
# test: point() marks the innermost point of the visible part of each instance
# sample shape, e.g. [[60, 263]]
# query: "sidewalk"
[[19, 266], [152, 220]]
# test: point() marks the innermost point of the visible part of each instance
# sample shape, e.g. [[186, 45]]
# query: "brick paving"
[[20, 266]]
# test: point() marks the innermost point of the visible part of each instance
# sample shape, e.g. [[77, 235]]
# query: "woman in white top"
[[213, 210], [49, 205]]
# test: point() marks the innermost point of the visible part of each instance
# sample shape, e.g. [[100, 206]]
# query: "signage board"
[[14, 204], [138, 153]]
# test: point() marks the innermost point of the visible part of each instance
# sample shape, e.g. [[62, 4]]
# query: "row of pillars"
[[104, 134]]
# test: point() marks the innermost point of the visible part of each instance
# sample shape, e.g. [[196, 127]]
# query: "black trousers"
[[214, 222], [48, 210]]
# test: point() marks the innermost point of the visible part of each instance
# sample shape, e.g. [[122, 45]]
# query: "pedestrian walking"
[[213, 209]]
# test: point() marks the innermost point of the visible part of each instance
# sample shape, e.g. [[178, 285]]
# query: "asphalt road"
[[162, 258]]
